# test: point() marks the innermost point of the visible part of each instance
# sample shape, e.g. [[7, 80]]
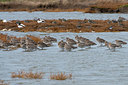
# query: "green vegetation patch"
[[124, 5]]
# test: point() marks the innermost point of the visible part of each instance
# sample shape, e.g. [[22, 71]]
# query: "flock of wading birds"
[[29, 45]]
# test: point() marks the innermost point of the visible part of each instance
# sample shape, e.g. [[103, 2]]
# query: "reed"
[[60, 76], [28, 75]]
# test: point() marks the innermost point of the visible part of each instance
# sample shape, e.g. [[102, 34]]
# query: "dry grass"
[[3, 37], [66, 26], [2, 82], [60, 76], [60, 5], [28, 75], [36, 39]]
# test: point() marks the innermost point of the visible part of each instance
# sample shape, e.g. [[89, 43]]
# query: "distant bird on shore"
[[114, 21], [63, 20], [19, 25], [4, 20], [91, 21], [120, 19], [108, 21], [110, 28], [40, 20]]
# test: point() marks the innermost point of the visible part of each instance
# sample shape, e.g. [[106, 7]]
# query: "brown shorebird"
[[81, 45], [1, 44], [120, 43], [112, 46], [80, 39], [100, 40], [23, 43], [107, 45], [47, 41], [69, 47], [61, 44], [41, 45], [30, 47], [89, 43], [30, 44], [77, 38], [70, 41], [51, 39], [6, 45]]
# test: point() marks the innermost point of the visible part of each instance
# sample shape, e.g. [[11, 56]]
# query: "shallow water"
[[59, 15], [95, 66]]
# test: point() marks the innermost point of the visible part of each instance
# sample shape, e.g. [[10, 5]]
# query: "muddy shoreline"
[[62, 25]]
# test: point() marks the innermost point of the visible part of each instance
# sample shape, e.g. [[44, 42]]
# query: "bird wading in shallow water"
[[120, 43], [100, 40]]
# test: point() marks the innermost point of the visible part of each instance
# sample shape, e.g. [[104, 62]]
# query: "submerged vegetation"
[[31, 75], [60, 76], [28, 75]]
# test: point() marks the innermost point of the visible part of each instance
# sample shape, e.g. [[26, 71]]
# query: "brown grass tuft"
[[60, 76], [28, 75], [36, 39]]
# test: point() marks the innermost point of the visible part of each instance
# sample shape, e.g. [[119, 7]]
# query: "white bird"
[[40, 20], [4, 29], [4, 20], [20, 25], [110, 27]]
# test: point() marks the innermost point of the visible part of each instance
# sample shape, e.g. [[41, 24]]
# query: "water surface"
[[59, 15], [95, 66]]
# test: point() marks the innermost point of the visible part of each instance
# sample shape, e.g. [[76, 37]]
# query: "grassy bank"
[[88, 6]]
